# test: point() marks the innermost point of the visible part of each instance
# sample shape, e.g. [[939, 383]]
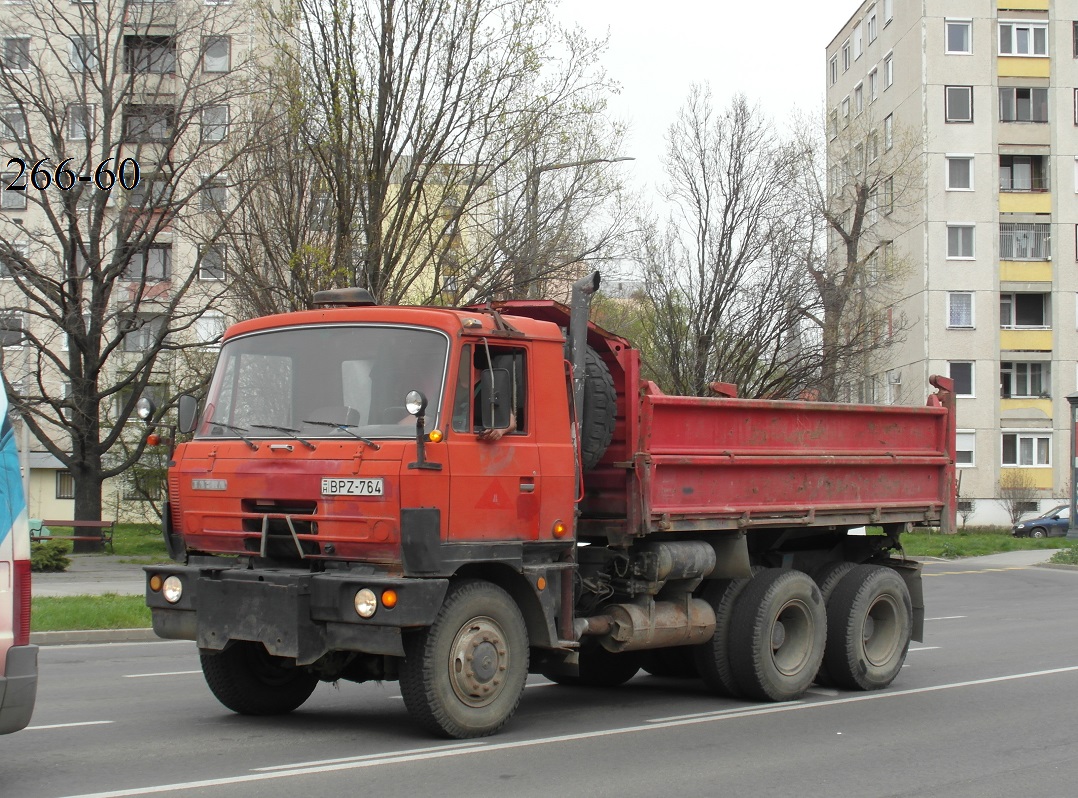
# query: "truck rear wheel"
[[713, 657], [827, 577], [870, 622], [777, 635], [464, 675], [248, 680]]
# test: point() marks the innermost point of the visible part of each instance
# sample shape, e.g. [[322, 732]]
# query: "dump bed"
[[723, 463]]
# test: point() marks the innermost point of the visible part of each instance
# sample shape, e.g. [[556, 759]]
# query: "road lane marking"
[[392, 758], [69, 725], [365, 757], [71, 646], [163, 673], [946, 618], [980, 570], [925, 648]]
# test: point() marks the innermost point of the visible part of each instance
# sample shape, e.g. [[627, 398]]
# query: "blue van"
[[18, 659]]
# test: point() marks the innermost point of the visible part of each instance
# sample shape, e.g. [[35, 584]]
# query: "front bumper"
[[293, 613], [18, 688]]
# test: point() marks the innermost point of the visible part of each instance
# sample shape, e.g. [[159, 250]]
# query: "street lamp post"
[[526, 276], [1072, 399]]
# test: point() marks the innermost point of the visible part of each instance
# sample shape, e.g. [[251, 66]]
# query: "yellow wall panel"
[[1042, 405], [1025, 271], [1025, 340], [1022, 5], [1025, 202]]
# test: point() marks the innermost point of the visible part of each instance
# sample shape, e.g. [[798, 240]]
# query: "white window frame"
[[1009, 298], [968, 25], [12, 132], [873, 85], [21, 248], [872, 30], [1022, 378], [969, 437], [15, 313], [947, 117], [83, 54], [224, 259], [846, 110], [888, 11], [1022, 24], [20, 196], [3, 52], [972, 378], [205, 52], [1019, 436], [950, 159], [888, 70], [208, 328], [846, 56], [832, 70], [889, 133], [215, 126], [951, 307], [86, 128], [858, 39], [972, 227], [206, 203], [858, 99]]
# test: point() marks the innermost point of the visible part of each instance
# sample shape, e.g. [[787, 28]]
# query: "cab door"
[[495, 486]]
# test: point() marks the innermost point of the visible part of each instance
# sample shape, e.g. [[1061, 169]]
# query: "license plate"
[[334, 486]]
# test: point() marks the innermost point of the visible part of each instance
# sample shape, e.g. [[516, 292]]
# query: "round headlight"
[[144, 408], [366, 602], [172, 589]]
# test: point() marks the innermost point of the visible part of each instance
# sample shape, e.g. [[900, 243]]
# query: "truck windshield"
[[327, 381]]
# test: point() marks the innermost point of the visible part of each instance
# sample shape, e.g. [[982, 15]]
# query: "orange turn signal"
[[435, 436], [541, 583], [560, 529], [155, 583], [153, 439], [389, 599]]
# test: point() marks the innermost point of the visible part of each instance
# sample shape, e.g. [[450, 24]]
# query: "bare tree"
[[723, 301], [1017, 490], [848, 216], [128, 117], [429, 149]]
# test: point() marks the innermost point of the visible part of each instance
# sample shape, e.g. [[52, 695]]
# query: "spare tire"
[[600, 409]]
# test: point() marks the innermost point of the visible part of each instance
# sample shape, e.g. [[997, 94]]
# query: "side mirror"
[[187, 413], [495, 398]]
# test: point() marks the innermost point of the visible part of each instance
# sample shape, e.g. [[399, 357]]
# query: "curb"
[[93, 636]]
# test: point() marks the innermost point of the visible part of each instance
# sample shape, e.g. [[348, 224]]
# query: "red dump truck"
[[456, 497]]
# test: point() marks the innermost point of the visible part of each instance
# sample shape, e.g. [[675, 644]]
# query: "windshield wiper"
[[239, 431], [345, 428], [293, 433]]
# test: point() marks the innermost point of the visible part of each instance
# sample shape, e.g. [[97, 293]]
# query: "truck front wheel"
[[247, 680], [464, 675], [869, 626], [777, 635]]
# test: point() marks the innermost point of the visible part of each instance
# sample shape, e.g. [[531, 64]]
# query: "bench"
[[96, 532]]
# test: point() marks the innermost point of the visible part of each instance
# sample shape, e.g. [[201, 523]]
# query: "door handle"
[[527, 486]]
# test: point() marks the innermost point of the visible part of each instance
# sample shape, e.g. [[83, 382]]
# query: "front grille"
[[280, 517]]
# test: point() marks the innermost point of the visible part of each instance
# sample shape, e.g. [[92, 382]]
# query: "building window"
[[961, 371], [13, 191], [83, 54], [1023, 105], [959, 172], [960, 310], [140, 331], [832, 70], [960, 241], [12, 329], [149, 123], [1074, 36], [209, 327], [1023, 38], [959, 36], [888, 70], [80, 122], [888, 132], [1023, 380], [846, 56], [211, 266], [873, 146], [12, 123], [832, 125], [151, 192], [858, 99], [858, 34], [871, 24], [213, 197], [959, 104], [216, 54], [1023, 173], [214, 122], [65, 485], [873, 85], [150, 54], [16, 54], [1023, 241], [150, 264], [887, 198], [1027, 449], [1022, 311], [965, 445]]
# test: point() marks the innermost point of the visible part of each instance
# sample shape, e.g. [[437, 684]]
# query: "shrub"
[[1067, 556], [49, 556]]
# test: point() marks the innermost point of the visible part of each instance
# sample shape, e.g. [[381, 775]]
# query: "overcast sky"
[[772, 52]]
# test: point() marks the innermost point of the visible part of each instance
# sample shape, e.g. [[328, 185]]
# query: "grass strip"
[[75, 613], [971, 544]]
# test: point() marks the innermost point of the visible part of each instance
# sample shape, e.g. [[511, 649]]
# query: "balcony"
[[1011, 66], [1025, 271], [1025, 340]]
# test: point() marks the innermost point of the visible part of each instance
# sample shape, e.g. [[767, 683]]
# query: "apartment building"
[[985, 90], [123, 118]]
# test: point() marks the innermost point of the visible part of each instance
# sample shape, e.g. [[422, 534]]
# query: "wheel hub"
[[881, 633], [479, 661], [791, 635]]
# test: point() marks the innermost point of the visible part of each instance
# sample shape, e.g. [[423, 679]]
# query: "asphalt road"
[[984, 707]]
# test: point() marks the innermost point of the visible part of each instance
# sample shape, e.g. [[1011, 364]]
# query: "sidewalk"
[[91, 574]]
